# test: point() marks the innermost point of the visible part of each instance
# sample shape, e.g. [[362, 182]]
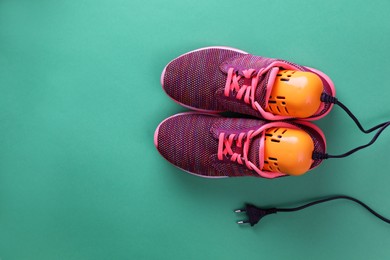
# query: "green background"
[[80, 99]]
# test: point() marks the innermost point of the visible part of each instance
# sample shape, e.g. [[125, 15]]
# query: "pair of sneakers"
[[278, 98]]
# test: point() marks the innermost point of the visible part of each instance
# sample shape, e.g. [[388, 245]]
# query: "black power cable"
[[380, 127], [255, 214]]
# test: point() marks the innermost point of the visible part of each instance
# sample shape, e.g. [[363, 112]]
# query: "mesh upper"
[[190, 141], [193, 78], [186, 142]]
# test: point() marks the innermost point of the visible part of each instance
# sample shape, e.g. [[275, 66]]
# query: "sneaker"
[[212, 146], [219, 79]]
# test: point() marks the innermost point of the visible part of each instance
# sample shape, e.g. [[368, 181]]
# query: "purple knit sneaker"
[[214, 147], [219, 79]]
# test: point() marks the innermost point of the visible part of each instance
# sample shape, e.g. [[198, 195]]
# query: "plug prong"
[[240, 210], [240, 222]]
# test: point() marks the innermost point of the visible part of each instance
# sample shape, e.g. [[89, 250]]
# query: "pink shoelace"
[[225, 144], [245, 91]]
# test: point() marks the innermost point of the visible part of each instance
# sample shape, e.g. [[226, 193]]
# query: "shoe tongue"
[[254, 151], [265, 85]]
